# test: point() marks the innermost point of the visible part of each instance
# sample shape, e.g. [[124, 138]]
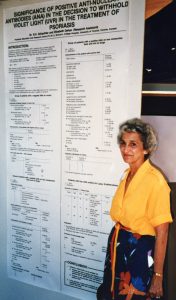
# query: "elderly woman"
[[141, 212]]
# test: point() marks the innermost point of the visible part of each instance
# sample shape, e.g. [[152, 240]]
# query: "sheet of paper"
[[66, 92], [34, 139], [90, 113]]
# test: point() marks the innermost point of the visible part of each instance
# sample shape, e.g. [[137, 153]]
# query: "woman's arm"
[[156, 288]]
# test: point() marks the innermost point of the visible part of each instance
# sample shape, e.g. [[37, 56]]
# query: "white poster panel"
[[94, 101], [33, 91], [66, 88], [33, 162]]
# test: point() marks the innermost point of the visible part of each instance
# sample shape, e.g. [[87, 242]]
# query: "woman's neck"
[[135, 167]]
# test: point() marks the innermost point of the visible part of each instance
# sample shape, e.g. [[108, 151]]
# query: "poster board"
[[66, 93]]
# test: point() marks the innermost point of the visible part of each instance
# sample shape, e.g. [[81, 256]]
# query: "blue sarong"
[[133, 267]]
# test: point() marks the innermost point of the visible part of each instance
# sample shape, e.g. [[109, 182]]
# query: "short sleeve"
[[159, 204]]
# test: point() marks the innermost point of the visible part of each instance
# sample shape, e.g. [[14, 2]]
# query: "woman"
[[141, 210]]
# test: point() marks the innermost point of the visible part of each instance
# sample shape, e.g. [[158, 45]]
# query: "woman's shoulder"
[[156, 175]]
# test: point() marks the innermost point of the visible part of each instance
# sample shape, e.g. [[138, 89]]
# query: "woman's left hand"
[[156, 288]]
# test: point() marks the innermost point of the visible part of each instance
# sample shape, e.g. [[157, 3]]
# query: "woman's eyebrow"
[[134, 141]]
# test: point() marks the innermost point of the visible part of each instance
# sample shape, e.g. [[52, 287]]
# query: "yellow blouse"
[[146, 202]]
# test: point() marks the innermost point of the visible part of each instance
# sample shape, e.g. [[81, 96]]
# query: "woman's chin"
[[127, 159]]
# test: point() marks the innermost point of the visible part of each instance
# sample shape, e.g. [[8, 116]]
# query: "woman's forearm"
[[160, 247], [156, 288]]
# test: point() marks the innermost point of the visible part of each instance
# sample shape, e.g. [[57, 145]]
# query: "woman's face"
[[132, 149]]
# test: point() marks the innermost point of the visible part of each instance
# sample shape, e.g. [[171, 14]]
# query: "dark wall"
[[170, 267], [155, 107]]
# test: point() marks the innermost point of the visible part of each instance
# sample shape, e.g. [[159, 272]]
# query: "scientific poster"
[[66, 93]]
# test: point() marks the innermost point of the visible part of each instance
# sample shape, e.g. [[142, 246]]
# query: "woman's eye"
[[122, 143], [133, 145]]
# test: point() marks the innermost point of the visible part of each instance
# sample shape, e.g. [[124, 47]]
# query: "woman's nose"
[[126, 148]]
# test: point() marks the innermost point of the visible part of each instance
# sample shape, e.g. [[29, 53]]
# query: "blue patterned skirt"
[[133, 267]]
